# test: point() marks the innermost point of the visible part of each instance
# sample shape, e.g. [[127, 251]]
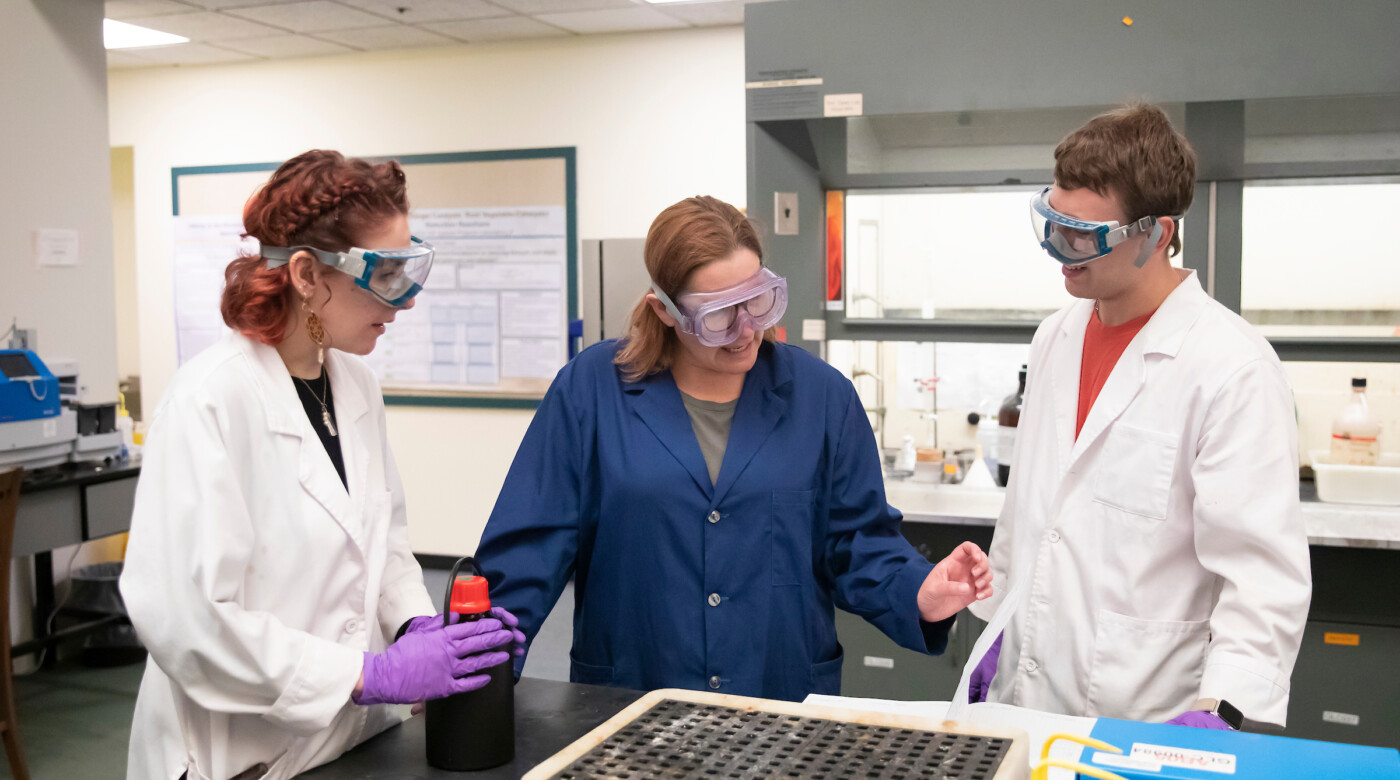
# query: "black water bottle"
[[473, 730]]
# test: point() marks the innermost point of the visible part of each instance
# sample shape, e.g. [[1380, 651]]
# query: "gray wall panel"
[[801, 258], [918, 56]]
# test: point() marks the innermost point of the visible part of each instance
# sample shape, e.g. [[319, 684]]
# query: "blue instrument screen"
[[16, 364]]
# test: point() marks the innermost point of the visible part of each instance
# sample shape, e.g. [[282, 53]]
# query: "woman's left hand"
[[511, 623], [963, 577]]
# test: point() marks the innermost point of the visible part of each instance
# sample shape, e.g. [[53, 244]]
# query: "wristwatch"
[[1228, 713]]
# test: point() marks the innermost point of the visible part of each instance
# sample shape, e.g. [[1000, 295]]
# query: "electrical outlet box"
[[785, 213]]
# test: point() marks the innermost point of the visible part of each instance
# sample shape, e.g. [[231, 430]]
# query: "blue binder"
[[1152, 751]]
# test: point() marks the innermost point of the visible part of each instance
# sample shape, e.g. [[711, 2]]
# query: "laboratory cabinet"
[[875, 667], [1346, 684]]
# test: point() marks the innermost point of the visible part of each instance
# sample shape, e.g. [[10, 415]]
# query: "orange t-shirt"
[[1103, 345]]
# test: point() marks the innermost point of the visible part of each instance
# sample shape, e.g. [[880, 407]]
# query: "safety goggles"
[[1076, 241], [717, 319], [393, 276]]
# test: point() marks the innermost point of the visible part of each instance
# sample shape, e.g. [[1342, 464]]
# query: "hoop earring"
[[317, 332]]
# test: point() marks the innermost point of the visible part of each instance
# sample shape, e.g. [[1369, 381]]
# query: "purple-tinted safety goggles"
[[717, 319]]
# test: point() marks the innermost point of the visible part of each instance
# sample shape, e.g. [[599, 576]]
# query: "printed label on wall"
[[844, 105], [793, 93]]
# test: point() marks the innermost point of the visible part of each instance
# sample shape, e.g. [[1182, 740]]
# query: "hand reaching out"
[[963, 577]]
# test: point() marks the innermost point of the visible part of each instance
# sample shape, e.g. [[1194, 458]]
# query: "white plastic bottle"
[[908, 455], [1356, 435], [127, 429]]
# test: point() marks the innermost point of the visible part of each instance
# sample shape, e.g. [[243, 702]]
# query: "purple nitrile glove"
[[980, 684], [509, 621], [512, 624], [434, 663], [1199, 719], [421, 623]]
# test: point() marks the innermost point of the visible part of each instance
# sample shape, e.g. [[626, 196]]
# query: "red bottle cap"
[[470, 596]]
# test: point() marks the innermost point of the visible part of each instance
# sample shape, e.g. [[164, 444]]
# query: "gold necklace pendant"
[[325, 412]]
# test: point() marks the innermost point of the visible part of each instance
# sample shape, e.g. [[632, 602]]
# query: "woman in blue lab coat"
[[714, 493]]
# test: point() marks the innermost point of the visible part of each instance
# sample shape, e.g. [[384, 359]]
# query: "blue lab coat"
[[681, 583]]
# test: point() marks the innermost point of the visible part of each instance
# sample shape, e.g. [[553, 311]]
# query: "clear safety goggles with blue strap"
[[393, 276], [1075, 241]]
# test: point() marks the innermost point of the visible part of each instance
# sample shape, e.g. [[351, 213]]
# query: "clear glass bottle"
[[1356, 435]]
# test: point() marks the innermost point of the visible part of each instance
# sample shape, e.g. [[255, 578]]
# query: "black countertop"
[[79, 474], [549, 716]]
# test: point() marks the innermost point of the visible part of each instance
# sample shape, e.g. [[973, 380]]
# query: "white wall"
[[656, 117], [124, 257], [54, 146]]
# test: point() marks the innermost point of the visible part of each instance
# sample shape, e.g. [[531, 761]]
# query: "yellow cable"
[[1043, 770], [1086, 741]]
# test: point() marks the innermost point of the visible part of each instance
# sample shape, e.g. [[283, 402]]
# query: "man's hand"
[[963, 577]]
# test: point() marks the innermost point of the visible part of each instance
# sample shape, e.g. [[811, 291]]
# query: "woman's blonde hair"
[[686, 236]]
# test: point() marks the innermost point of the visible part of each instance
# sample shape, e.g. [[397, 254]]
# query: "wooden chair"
[[9, 507]]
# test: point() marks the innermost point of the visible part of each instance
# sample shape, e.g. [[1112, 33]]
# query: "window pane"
[[966, 254], [965, 141], [1321, 258], [1322, 129], [891, 378], [952, 254]]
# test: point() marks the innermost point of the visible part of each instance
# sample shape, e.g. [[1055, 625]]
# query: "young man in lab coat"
[[1152, 518]]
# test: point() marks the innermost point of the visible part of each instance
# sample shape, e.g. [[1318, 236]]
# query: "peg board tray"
[[677, 734]]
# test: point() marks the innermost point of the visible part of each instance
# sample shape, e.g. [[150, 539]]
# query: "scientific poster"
[[494, 307]]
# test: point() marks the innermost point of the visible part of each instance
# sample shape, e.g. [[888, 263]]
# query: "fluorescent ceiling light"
[[120, 35], [664, 2]]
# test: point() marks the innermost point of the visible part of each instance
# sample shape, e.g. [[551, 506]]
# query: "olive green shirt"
[[710, 421]]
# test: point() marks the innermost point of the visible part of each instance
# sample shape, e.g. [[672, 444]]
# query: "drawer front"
[[1344, 687]]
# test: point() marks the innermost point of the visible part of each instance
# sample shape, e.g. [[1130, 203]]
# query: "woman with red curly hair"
[[269, 571]]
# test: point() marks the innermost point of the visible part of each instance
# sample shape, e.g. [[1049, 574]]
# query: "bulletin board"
[[489, 329]]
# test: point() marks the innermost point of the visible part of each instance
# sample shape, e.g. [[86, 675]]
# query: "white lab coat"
[[252, 576], [1166, 544]]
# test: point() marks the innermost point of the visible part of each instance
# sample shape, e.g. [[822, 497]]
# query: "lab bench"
[[549, 716], [1344, 686], [66, 505]]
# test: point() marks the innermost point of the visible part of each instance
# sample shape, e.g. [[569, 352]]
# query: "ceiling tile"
[[224, 4], [189, 54], [312, 16], [285, 46], [205, 26], [561, 6], [612, 20], [391, 37], [123, 10], [506, 29], [416, 11], [706, 14]]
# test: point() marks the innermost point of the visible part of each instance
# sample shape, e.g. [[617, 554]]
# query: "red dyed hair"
[[319, 199]]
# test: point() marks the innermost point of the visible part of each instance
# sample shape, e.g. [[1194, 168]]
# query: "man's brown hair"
[[1132, 154]]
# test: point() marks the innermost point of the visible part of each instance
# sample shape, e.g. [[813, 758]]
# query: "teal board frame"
[[570, 156]]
